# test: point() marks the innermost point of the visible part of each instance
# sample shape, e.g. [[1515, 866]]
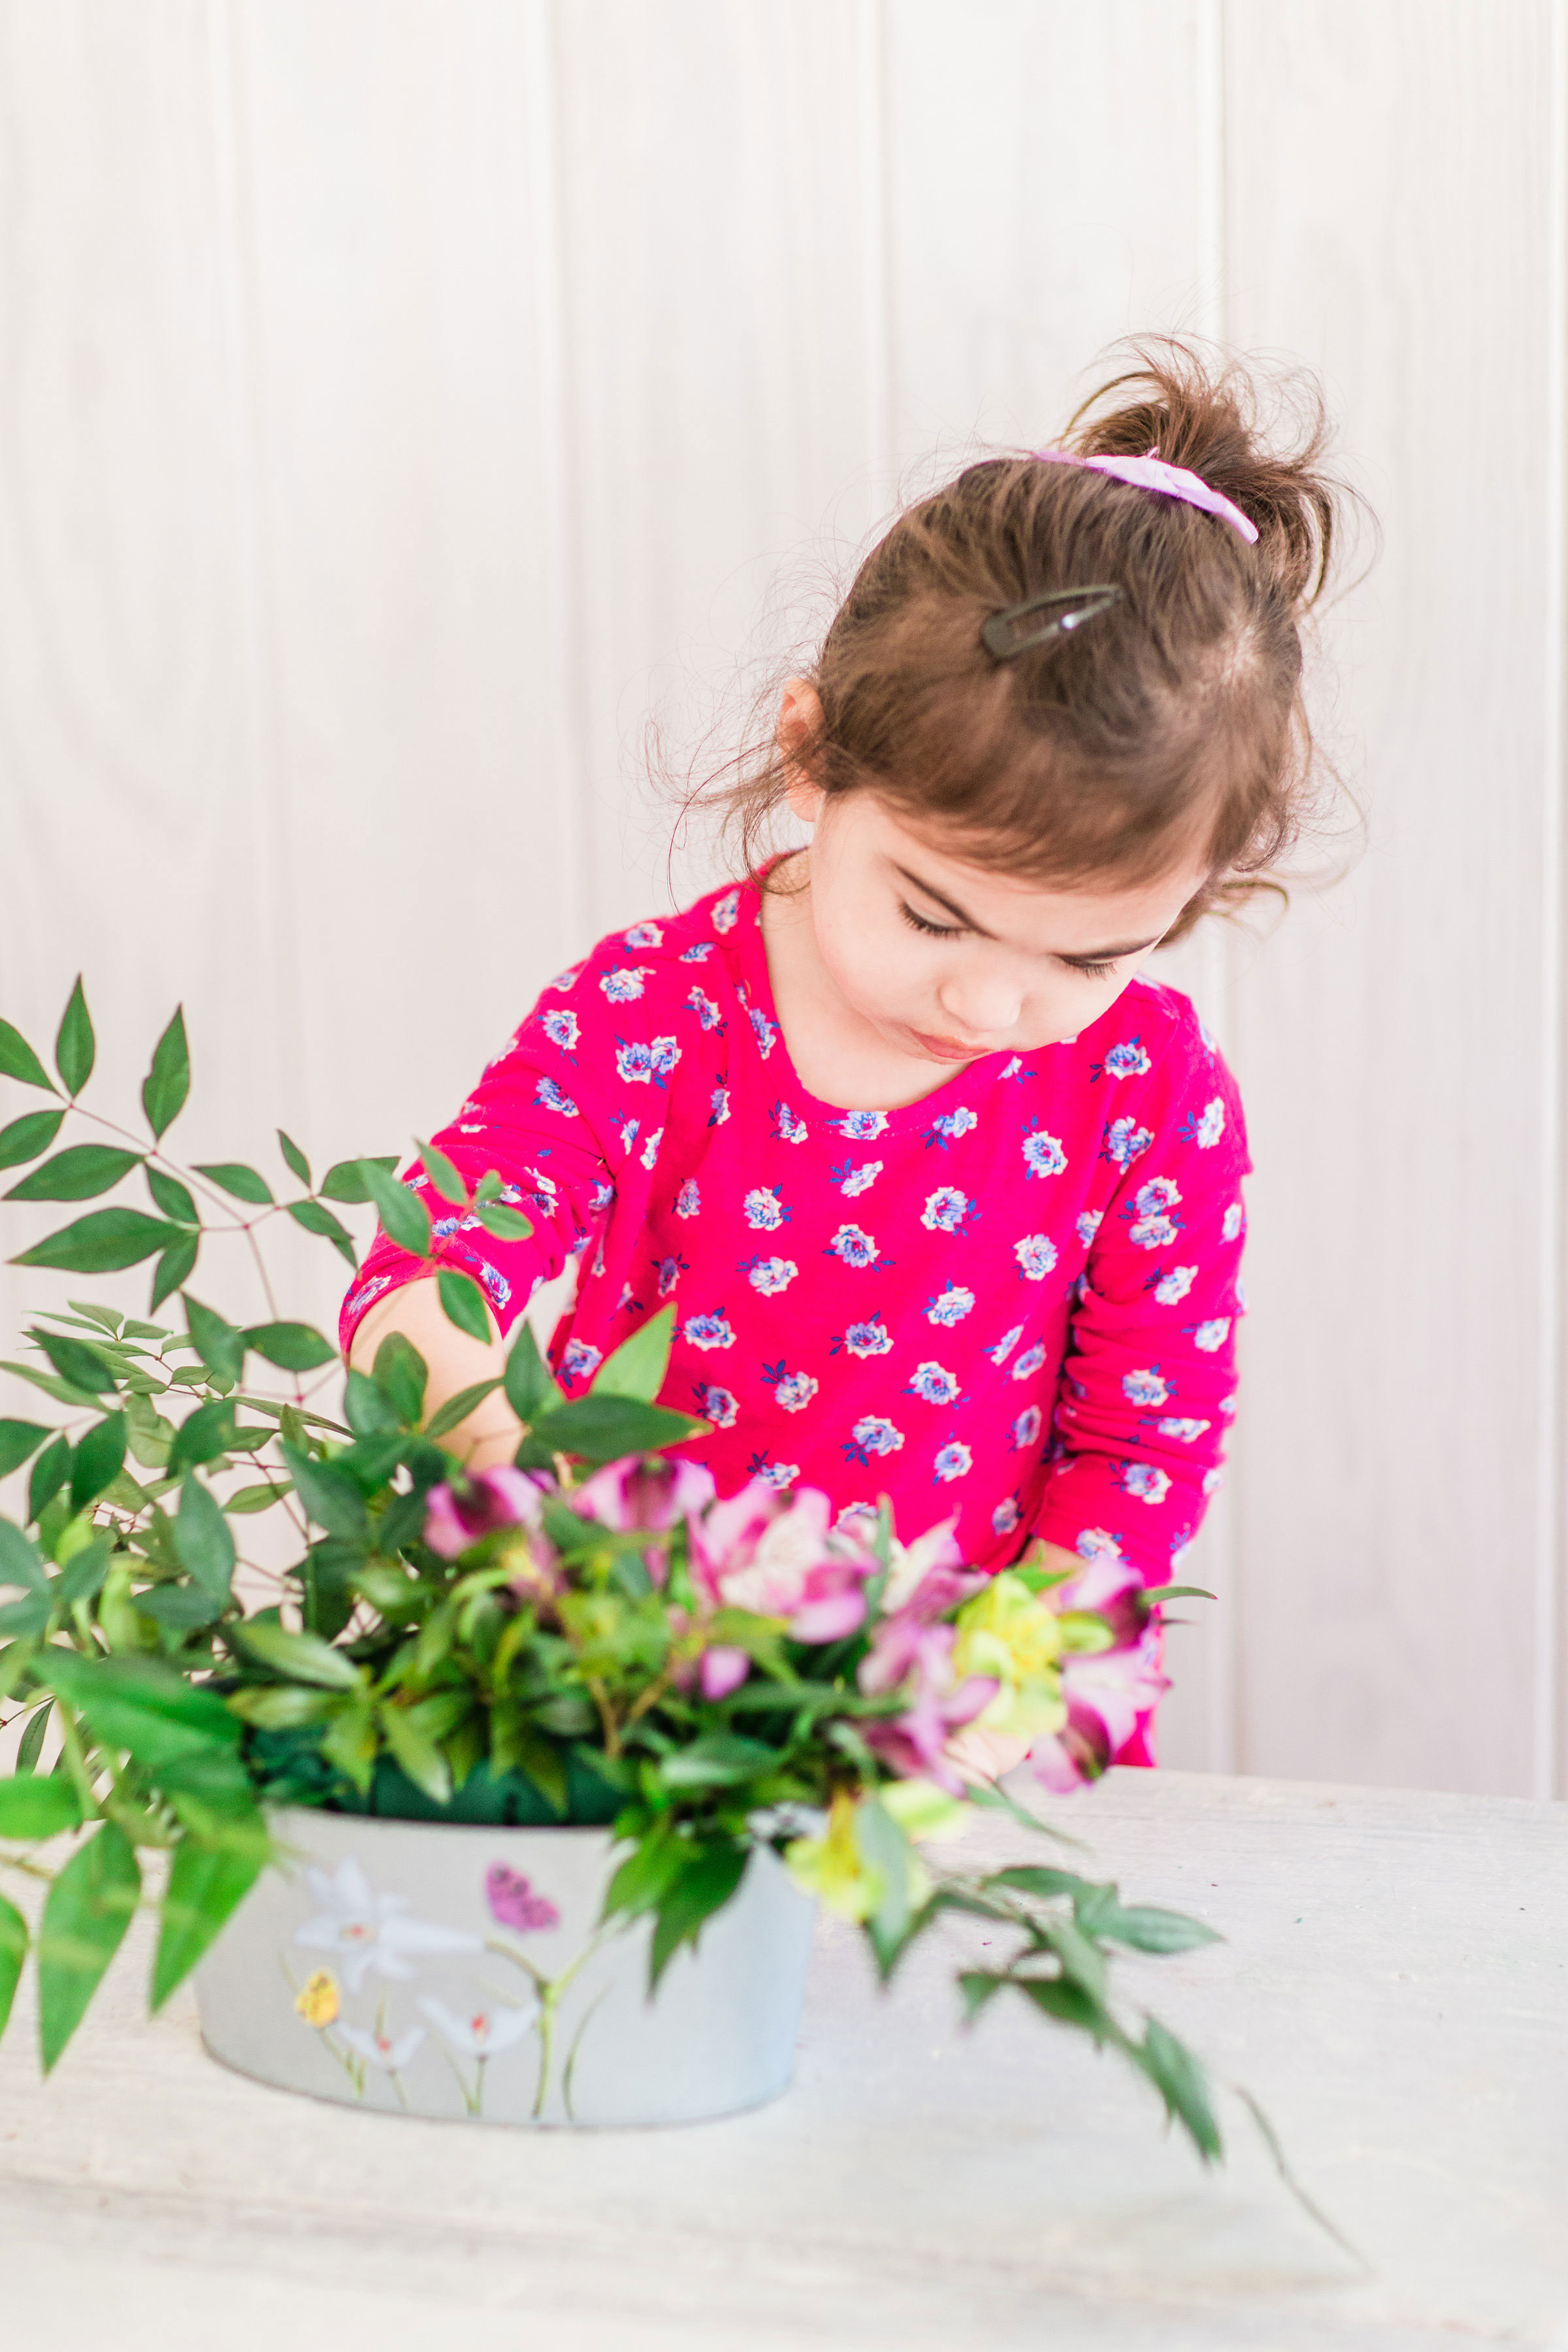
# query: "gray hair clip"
[[1001, 635]]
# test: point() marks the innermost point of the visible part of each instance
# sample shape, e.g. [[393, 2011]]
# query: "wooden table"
[[1395, 1989]]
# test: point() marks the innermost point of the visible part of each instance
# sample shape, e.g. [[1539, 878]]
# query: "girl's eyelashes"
[[931, 931], [1091, 971]]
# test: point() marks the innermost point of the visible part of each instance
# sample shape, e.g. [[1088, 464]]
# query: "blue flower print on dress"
[[777, 1474], [947, 1209], [1206, 1128], [643, 935], [1098, 1544], [1015, 1068], [768, 1275], [578, 1359], [629, 1132], [1227, 1406], [548, 1093], [794, 1390], [1035, 1257], [1026, 1430], [1043, 1154], [1235, 1217], [373, 1289], [935, 1384], [1031, 1361], [870, 1338], [627, 1304], [715, 1404], [853, 1180], [853, 1246], [707, 1012], [719, 1105], [767, 1036], [872, 1435], [560, 1028], [1212, 1481], [951, 1306], [669, 1271], [725, 912], [950, 1126], [1125, 1141], [787, 1128], [1006, 1517], [1148, 1388], [699, 953], [1177, 1426], [1212, 1337], [641, 1064], [1127, 1060], [954, 1461], [445, 1226], [861, 1126], [762, 1209], [564, 981], [1006, 1344], [709, 1331], [1152, 1226], [688, 1200], [649, 1151], [496, 1283], [1172, 1287], [858, 1519], [624, 985], [1142, 1480]]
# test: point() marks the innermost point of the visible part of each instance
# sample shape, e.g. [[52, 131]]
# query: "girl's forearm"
[[491, 1433]]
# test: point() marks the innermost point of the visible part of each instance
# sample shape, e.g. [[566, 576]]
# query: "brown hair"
[[1172, 722]]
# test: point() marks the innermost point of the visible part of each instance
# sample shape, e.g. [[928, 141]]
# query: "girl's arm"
[[492, 1432]]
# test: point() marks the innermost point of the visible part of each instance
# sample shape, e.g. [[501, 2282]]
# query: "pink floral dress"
[[1013, 1301]]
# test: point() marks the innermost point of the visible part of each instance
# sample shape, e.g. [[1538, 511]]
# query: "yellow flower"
[[831, 1869], [317, 2000], [921, 1809], [1009, 1633]]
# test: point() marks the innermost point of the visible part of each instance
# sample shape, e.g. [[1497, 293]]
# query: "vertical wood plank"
[[1390, 1036]]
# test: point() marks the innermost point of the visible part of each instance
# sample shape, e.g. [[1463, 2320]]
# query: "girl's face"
[[945, 961]]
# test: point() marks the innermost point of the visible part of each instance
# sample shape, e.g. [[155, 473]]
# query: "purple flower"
[[907, 1655], [643, 1490], [458, 1515], [722, 1670], [514, 1904]]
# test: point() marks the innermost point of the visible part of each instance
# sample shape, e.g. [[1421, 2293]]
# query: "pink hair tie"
[[1151, 473]]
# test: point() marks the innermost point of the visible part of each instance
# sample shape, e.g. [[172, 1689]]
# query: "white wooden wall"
[[400, 399]]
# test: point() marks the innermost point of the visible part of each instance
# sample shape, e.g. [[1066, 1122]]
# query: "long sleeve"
[[1148, 1383]]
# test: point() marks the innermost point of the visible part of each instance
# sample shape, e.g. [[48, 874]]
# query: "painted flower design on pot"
[[514, 1904], [366, 1931], [485, 2033], [379, 2050]]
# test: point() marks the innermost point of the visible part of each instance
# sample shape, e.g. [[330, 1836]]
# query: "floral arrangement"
[[587, 1634]]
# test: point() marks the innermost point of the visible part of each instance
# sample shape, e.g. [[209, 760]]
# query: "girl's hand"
[[492, 1432], [985, 1755]]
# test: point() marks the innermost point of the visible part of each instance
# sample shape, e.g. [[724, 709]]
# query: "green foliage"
[[78, 1173], [404, 1215], [463, 1303], [637, 1366], [75, 1047], [294, 1159], [203, 1540], [102, 1242], [18, 1441], [242, 1184], [99, 1458], [17, 1059], [88, 1909], [168, 1082], [206, 1883], [29, 1136]]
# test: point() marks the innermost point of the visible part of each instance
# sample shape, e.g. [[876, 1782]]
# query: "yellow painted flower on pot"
[[1010, 1633], [316, 1999]]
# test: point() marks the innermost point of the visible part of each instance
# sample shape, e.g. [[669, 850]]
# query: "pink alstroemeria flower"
[[904, 1651], [721, 1670], [1106, 1692], [489, 1499], [644, 1490], [778, 1555]]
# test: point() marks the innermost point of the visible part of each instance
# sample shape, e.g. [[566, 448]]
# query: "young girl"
[[946, 1193]]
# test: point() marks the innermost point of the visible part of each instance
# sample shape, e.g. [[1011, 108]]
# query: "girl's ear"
[[800, 717]]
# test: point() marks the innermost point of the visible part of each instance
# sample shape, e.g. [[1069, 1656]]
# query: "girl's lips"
[[946, 1049]]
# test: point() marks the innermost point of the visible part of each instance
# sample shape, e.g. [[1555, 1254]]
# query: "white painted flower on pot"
[[367, 1931]]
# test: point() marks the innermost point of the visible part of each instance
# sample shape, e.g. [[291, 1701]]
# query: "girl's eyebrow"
[[1077, 955]]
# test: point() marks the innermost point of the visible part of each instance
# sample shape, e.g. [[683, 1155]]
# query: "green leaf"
[[402, 1372], [294, 1159], [1031, 1879], [28, 1136], [50, 1472], [13, 1943], [173, 1197], [168, 1082], [507, 1224], [530, 1389], [251, 1499], [75, 1047], [457, 1408], [329, 1496], [346, 1180], [174, 1268], [638, 1367], [367, 1408], [703, 1888], [315, 1219], [208, 1432], [1145, 1929], [139, 1705], [86, 1911], [235, 1178], [181, 1607], [206, 1883], [32, 1809], [417, 1753], [98, 1460], [443, 1175], [77, 1173], [30, 1745], [26, 1618], [718, 1759], [463, 1303], [1155, 1592], [605, 1428], [20, 1567], [220, 1347], [101, 1242], [1181, 2082], [19, 1439], [203, 1540], [293, 1346], [978, 1985], [17, 1059], [404, 1215], [76, 1360]]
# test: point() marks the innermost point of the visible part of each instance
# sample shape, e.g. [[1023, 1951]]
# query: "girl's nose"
[[981, 1009]]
